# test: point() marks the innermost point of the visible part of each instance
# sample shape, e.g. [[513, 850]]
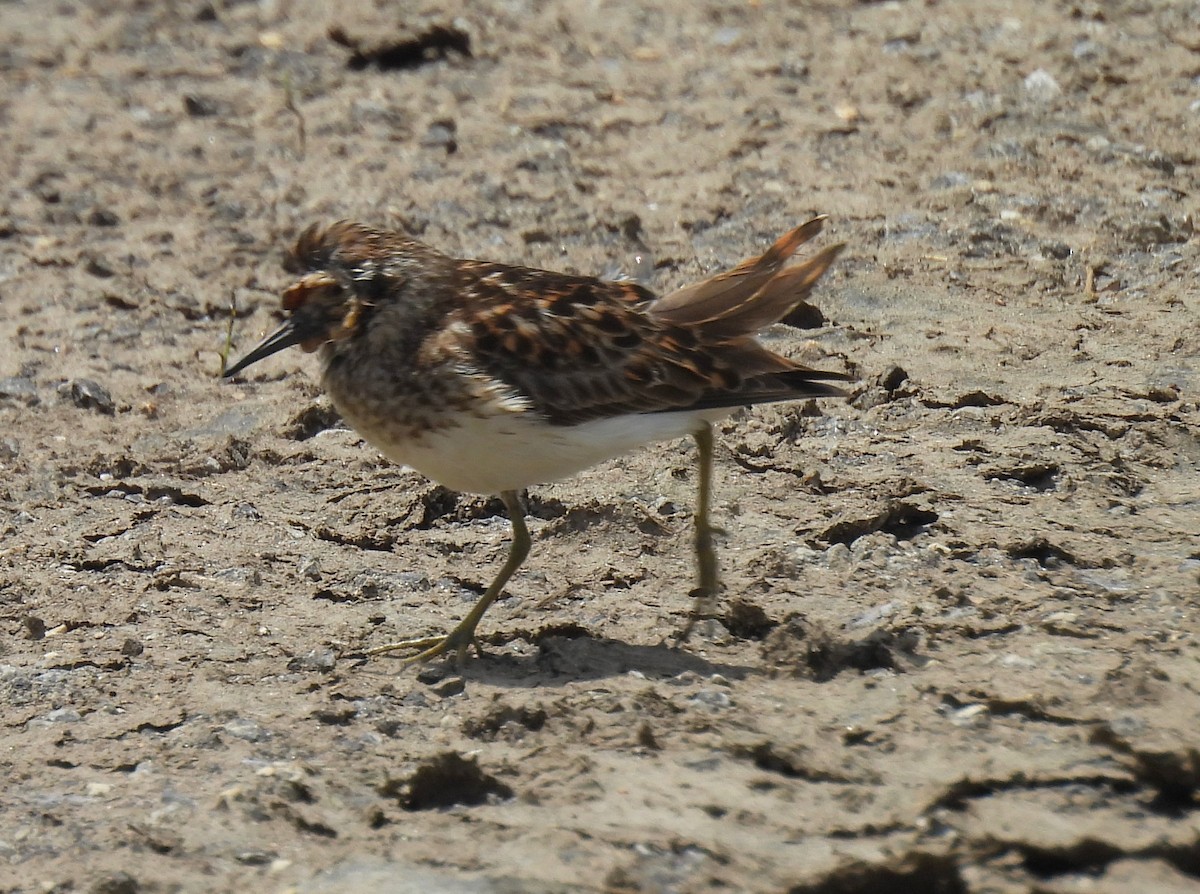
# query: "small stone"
[[88, 395], [320, 660], [1041, 86], [449, 687], [200, 106], [847, 113], [414, 580], [103, 217], [837, 556], [430, 674], [441, 134], [254, 858], [684, 678], [971, 715], [246, 512], [246, 730], [712, 698], [1060, 251], [893, 378], [131, 648]]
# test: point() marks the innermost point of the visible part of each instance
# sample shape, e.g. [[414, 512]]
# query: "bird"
[[489, 378]]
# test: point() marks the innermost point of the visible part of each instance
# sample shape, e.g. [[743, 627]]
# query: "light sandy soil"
[[960, 650]]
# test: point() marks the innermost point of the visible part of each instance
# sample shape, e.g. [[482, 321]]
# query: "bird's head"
[[330, 300]]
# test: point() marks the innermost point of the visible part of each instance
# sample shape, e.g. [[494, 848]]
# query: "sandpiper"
[[490, 378]]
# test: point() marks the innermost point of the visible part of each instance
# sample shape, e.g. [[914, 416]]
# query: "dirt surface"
[[959, 649]]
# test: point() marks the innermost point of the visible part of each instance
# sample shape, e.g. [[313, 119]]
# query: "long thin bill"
[[283, 337]]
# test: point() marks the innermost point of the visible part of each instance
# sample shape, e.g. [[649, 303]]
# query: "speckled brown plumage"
[[492, 378]]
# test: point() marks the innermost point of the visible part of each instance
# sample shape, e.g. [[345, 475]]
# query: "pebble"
[[247, 730], [713, 698], [971, 715], [246, 512], [1041, 86], [449, 687], [131, 648], [441, 134], [88, 395], [321, 660]]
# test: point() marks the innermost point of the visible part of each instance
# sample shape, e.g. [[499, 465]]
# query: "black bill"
[[283, 337]]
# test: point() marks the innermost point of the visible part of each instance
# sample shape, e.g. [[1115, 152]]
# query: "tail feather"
[[718, 295], [778, 297]]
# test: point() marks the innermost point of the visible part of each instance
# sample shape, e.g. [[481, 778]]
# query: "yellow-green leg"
[[463, 635], [709, 582]]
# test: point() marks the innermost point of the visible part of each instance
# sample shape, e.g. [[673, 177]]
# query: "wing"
[[577, 348]]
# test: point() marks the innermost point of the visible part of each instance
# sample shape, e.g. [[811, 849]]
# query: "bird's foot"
[[457, 641]]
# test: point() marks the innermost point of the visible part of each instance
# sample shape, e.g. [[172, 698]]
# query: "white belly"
[[513, 451]]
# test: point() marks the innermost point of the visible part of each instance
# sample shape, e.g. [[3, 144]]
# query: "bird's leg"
[[706, 556], [463, 636]]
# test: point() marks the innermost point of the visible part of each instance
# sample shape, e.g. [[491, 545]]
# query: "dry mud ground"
[[960, 650]]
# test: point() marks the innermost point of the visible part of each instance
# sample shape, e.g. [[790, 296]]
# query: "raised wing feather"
[[710, 298]]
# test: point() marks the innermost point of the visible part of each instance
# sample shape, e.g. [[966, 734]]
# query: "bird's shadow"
[[568, 654]]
